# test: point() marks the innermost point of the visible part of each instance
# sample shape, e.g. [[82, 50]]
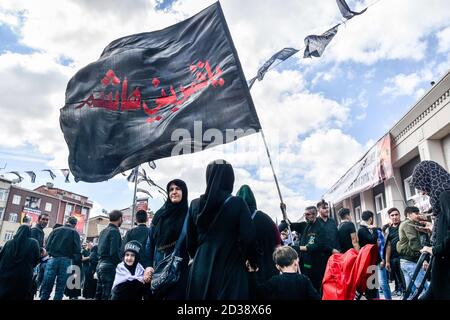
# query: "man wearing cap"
[[63, 246]]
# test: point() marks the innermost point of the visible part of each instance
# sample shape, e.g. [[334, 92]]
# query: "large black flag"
[[124, 109]]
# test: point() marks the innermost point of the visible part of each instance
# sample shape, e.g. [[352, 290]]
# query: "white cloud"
[[444, 40], [9, 19], [286, 109], [327, 155], [32, 96], [402, 84]]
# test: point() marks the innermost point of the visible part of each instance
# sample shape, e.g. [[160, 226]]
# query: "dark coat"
[[313, 262], [267, 238], [64, 242], [285, 286], [331, 232], [38, 234], [440, 272], [218, 271], [16, 274], [109, 244], [129, 290]]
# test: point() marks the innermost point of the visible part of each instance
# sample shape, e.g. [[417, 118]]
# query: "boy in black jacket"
[[288, 285]]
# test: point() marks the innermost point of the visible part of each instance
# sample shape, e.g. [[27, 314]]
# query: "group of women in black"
[[223, 233], [220, 237]]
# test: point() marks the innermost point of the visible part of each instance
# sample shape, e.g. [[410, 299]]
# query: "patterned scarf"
[[430, 177]]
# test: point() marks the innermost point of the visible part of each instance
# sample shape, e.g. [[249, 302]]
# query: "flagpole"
[[134, 197], [282, 204]]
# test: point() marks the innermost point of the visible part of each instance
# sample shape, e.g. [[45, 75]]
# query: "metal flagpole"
[[134, 196], [282, 204]]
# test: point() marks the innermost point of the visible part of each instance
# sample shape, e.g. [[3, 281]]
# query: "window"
[[69, 209], [358, 214], [379, 202], [3, 194], [84, 211], [16, 199], [13, 217], [76, 197], [32, 202], [410, 191], [48, 206], [8, 235]]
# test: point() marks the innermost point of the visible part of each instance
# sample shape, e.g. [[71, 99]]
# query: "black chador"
[[220, 233]]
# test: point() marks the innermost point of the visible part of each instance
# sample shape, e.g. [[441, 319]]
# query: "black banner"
[[123, 109]]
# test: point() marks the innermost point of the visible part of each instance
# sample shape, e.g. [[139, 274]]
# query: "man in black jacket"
[[140, 234], [109, 245], [313, 248], [367, 234], [329, 226], [392, 256], [37, 233], [63, 246]]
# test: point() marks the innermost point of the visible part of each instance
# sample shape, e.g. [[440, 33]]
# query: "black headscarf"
[[219, 185], [430, 177], [168, 221], [19, 243]]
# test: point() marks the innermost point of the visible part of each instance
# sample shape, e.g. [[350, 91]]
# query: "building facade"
[[57, 203], [95, 225], [71, 204], [422, 134], [5, 186]]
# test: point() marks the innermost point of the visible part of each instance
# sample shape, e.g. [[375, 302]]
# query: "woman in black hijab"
[[17, 259], [165, 230], [431, 179], [267, 235], [220, 231]]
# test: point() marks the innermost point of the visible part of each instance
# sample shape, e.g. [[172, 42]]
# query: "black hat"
[[133, 246]]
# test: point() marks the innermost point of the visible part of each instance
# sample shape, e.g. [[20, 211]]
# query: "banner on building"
[[141, 204], [80, 221], [32, 214], [372, 169]]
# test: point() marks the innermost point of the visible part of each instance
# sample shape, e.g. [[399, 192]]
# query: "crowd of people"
[[227, 249]]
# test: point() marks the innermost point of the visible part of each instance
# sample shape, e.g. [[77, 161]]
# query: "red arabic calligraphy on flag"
[[204, 77]]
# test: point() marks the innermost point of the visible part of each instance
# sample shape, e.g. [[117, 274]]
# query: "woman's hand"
[[148, 273]]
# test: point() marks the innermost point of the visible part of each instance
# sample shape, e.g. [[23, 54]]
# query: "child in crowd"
[[288, 285], [129, 282]]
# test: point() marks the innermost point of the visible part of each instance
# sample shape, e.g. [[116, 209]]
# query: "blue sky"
[[320, 114]]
